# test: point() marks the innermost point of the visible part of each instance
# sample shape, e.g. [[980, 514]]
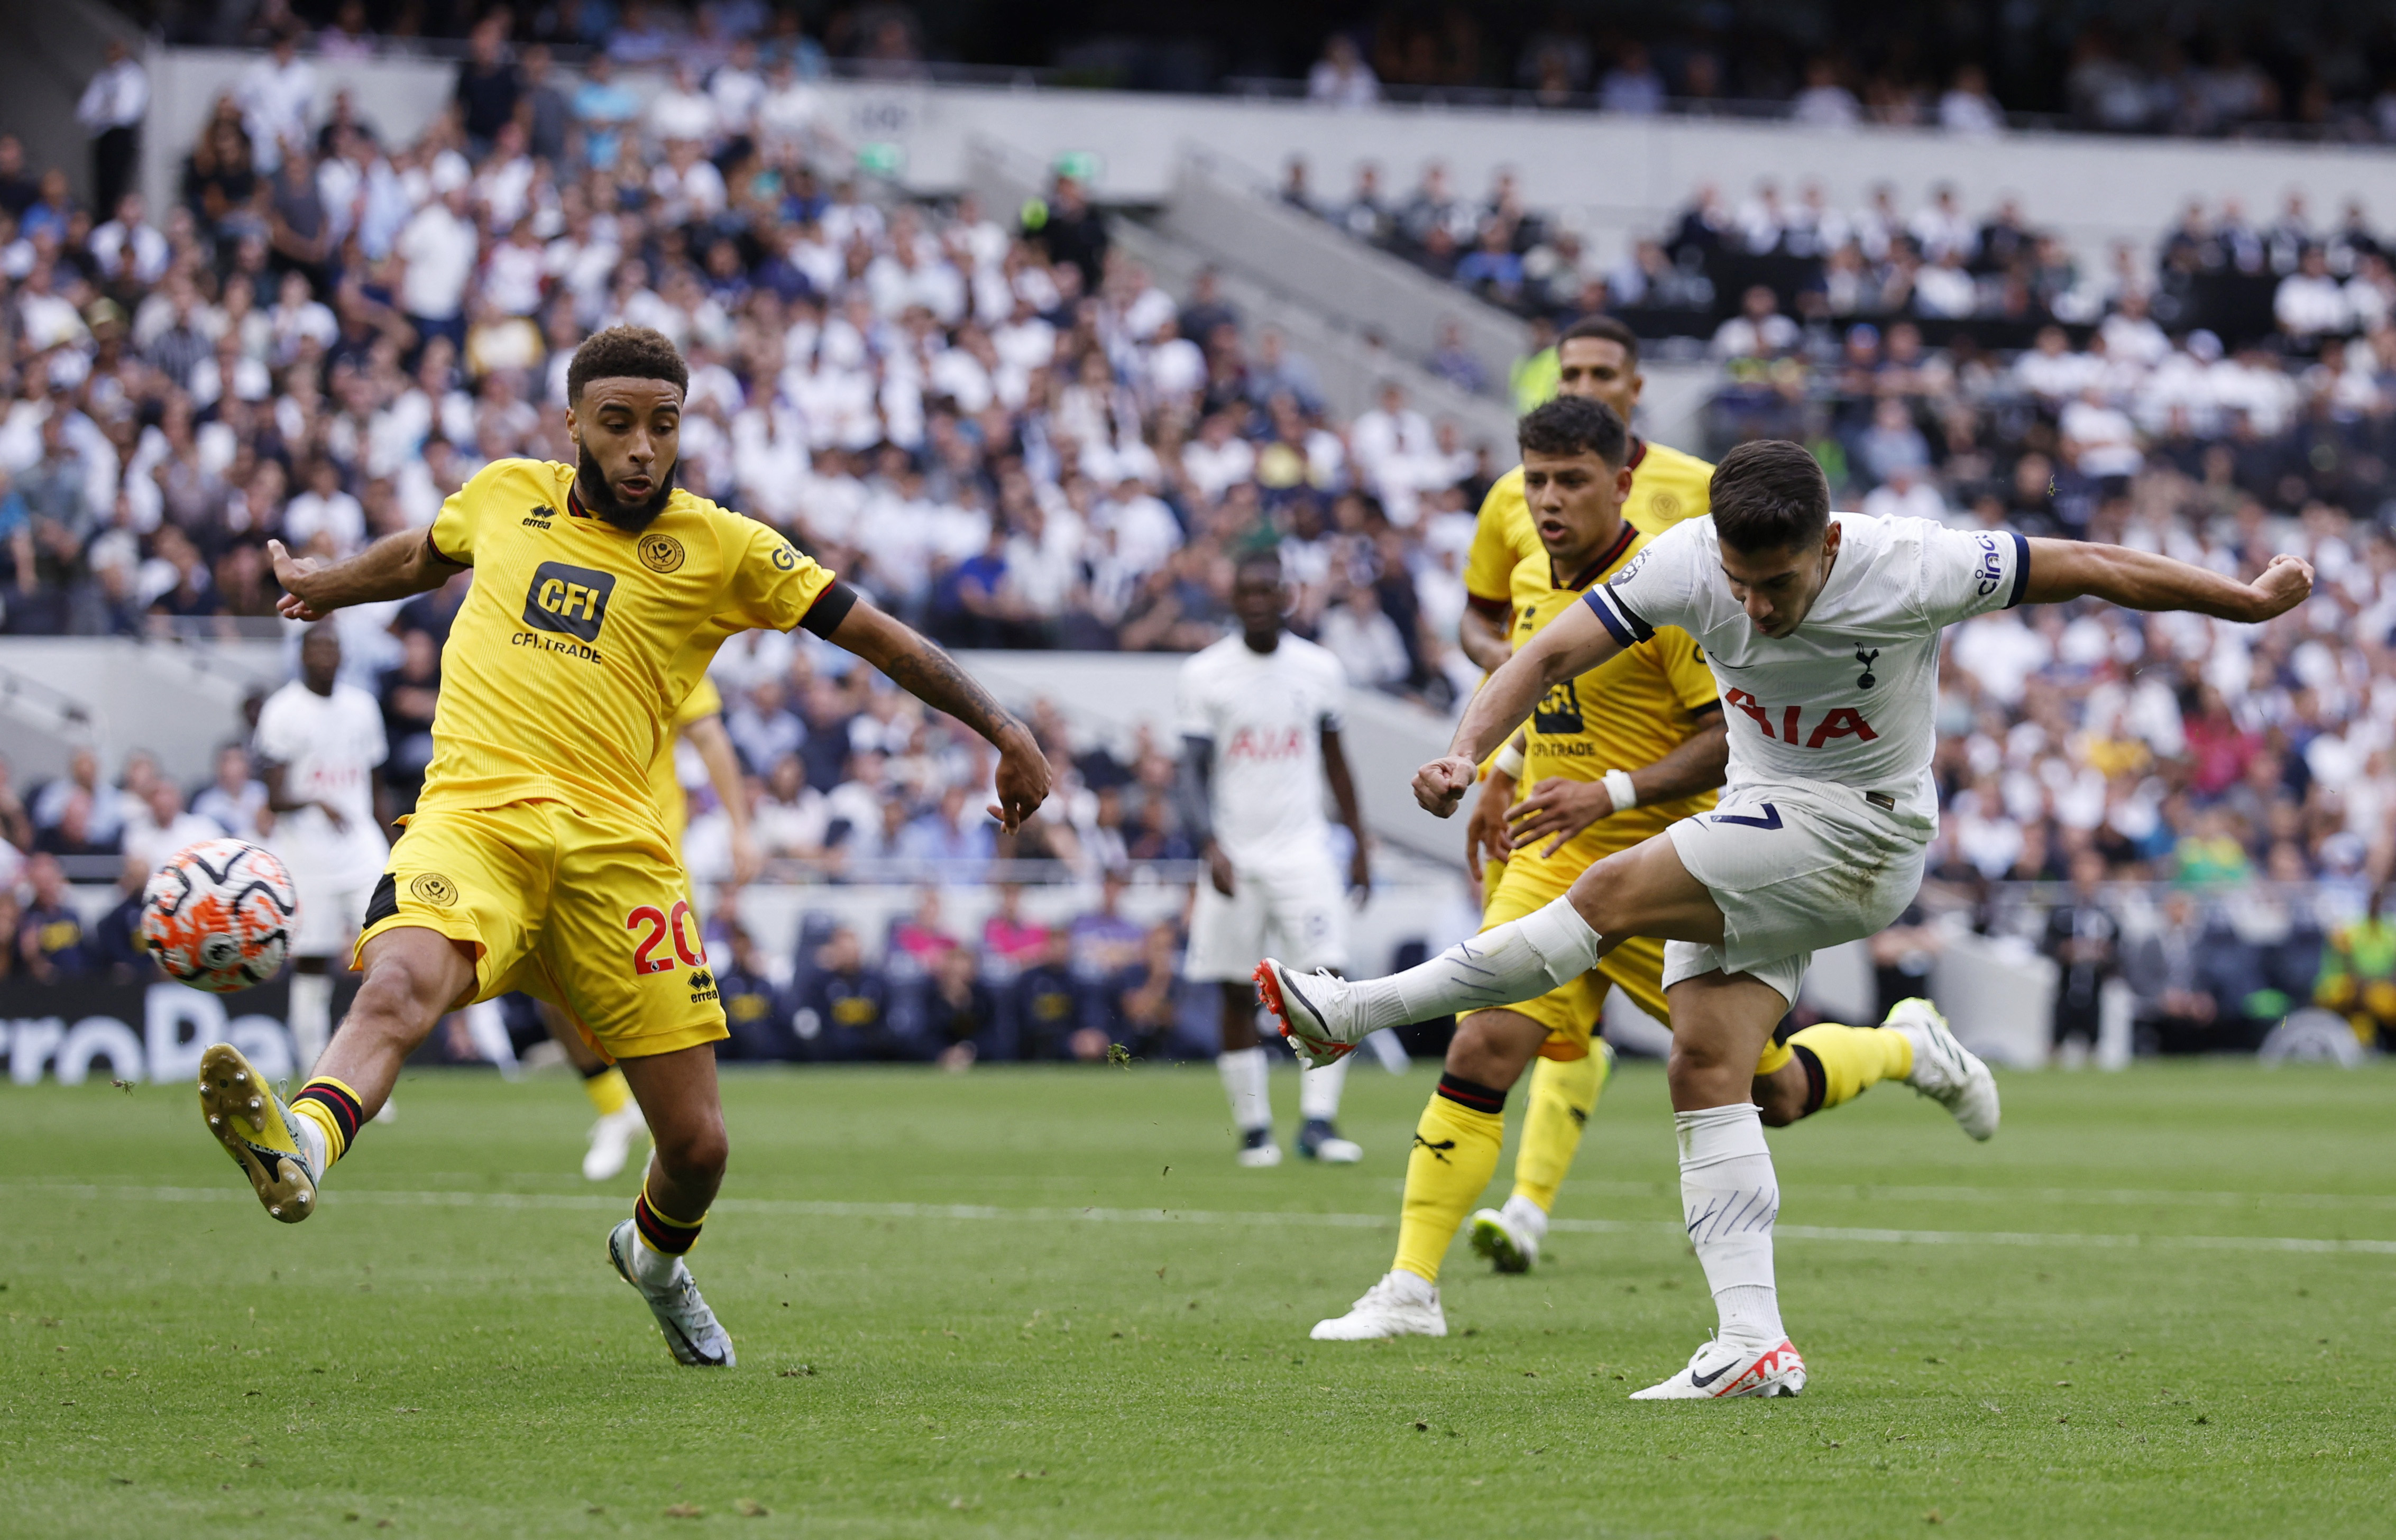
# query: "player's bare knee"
[[1598, 897], [695, 1152], [400, 998], [1486, 1049], [1703, 1071]]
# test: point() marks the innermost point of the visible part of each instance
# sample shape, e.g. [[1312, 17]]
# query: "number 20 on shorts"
[[655, 924]]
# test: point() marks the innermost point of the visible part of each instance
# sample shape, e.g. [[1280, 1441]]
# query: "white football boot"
[[611, 1142], [1258, 1149], [1720, 1370], [1315, 1011], [691, 1329], [1944, 1070], [1402, 1303], [1510, 1237], [1318, 1139]]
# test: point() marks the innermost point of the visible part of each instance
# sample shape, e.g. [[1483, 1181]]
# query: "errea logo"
[[569, 600]]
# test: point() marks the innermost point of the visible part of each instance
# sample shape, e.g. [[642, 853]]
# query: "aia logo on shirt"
[[569, 600], [1840, 722], [1265, 743]]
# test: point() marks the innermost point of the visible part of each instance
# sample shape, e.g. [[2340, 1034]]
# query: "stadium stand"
[[1003, 425]]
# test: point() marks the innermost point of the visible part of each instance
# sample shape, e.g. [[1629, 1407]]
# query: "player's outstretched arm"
[[918, 666], [397, 566], [1572, 644], [2142, 580]]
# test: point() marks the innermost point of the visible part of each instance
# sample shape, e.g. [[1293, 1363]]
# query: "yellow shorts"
[[589, 913], [1573, 1013]]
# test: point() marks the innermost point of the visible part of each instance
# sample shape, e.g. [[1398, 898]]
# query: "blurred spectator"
[[236, 801], [117, 947], [843, 1010], [755, 1010], [1342, 78], [2082, 938], [2167, 968], [1050, 1005], [49, 940], [2358, 974], [111, 110], [961, 1015]]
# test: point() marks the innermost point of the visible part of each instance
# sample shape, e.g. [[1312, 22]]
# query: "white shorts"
[[332, 909], [1300, 910], [1794, 868]]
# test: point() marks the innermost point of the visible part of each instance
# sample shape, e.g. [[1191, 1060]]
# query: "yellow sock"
[[1853, 1059], [1562, 1093], [1455, 1155], [333, 1107], [607, 1091]]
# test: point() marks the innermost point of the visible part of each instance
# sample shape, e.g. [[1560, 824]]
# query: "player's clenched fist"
[[2284, 584], [1440, 785]]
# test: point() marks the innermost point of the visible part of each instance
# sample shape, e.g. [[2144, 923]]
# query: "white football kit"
[[328, 747], [1265, 713], [1830, 806]]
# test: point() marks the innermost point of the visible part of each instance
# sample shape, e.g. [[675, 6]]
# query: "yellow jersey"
[[578, 640], [1666, 488], [665, 780], [1626, 714]]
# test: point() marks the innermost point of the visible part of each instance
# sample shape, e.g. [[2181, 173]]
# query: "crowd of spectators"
[[2094, 76]]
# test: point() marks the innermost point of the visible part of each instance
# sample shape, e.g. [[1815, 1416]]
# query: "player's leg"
[[1828, 1065], [1306, 913], [1242, 1065], [1226, 932], [622, 954], [677, 1094], [619, 1124], [1729, 1194], [1643, 890], [1453, 1155]]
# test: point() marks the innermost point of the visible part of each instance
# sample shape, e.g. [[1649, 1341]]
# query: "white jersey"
[[328, 747], [1265, 713], [1851, 698]]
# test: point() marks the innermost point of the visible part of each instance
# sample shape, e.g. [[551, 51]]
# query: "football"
[[220, 915]]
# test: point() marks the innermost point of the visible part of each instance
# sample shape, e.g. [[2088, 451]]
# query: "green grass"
[[179, 1365]]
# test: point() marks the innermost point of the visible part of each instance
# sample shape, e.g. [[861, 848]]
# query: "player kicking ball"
[[1822, 632], [537, 858], [1259, 716]]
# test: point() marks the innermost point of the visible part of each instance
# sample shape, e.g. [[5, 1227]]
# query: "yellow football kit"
[[538, 840], [665, 780], [1628, 712]]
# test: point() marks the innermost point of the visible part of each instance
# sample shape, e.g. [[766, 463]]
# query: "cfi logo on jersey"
[[1558, 713], [661, 552], [571, 601]]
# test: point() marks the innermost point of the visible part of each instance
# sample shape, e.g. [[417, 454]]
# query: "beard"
[[600, 497]]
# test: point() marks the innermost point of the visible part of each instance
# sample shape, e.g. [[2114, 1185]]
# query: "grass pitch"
[[1046, 1303]]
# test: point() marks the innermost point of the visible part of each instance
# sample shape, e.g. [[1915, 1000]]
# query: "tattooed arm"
[[930, 675]]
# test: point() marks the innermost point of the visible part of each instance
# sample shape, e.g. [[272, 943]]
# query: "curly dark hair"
[[1570, 425], [625, 352]]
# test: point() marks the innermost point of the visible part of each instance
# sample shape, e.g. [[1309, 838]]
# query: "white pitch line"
[[1863, 1192], [1266, 1218]]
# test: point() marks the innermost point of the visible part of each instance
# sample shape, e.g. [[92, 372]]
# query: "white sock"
[[1244, 1081], [654, 1268], [1729, 1197], [1519, 960], [312, 1140], [1318, 1090], [311, 1014], [1414, 1286]]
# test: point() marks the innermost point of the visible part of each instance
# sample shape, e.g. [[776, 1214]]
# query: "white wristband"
[[1619, 787], [1509, 761]]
